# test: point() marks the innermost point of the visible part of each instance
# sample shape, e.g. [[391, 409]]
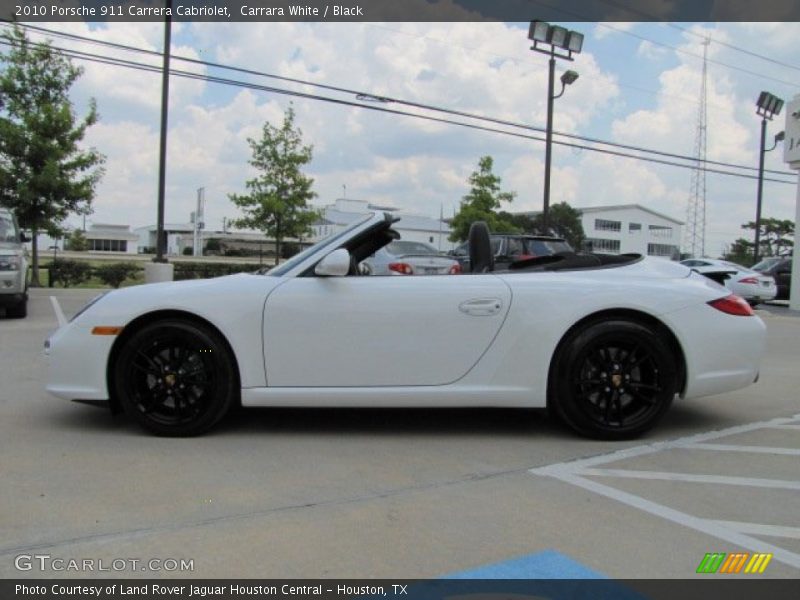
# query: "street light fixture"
[[556, 42], [767, 107]]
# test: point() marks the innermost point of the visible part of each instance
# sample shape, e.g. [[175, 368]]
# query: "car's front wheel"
[[19, 310], [175, 377], [613, 379]]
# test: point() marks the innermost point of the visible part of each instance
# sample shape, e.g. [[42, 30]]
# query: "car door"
[[380, 331]]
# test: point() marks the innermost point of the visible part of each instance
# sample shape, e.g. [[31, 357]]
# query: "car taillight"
[[455, 269], [733, 305], [753, 280], [402, 268]]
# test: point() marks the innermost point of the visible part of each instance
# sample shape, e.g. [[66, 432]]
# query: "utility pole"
[[162, 156]]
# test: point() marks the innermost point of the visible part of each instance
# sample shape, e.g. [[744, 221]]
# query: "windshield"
[[766, 263], [402, 248], [285, 267], [547, 247], [8, 229]]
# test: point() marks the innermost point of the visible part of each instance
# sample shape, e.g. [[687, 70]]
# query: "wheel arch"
[[151, 317], [632, 315]]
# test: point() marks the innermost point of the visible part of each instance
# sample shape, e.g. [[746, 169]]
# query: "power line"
[[649, 16], [763, 57], [79, 55], [360, 94], [582, 17]]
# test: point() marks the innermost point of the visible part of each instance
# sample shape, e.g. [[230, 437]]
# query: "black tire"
[[175, 378], [18, 311], [613, 380]]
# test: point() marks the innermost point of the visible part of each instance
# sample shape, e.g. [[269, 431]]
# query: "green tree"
[[77, 242], [482, 203], [277, 202], [740, 252], [564, 221], [44, 174], [776, 236]]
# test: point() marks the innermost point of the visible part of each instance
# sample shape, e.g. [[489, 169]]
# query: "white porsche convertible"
[[605, 342]]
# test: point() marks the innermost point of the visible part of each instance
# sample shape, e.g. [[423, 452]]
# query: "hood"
[[11, 249]]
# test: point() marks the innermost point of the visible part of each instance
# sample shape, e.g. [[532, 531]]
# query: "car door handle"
[[481, 307]]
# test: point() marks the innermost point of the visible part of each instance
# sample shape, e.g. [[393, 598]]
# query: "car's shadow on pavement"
[[349, 421], [682, 419]]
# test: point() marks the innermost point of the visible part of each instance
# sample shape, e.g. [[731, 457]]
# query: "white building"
[[177, 234], [104, 237], [627, 228], [417, 228]]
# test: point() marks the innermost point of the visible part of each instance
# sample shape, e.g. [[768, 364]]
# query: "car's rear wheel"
[[613, 379], [175, 377]]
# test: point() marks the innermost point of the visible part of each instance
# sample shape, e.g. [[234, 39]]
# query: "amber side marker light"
[[106, 330], [733, 305]]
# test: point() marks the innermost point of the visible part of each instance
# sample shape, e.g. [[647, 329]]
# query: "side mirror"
[[336, 264]]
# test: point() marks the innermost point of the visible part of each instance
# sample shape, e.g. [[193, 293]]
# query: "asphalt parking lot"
[[397, 493]]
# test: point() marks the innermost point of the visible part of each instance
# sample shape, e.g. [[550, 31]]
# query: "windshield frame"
[[11, 221], [284, 268]]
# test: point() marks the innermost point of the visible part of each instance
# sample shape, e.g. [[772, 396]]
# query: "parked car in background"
[[751, 285], [513, 247], [13, 267], [780, 268], [403, 257]]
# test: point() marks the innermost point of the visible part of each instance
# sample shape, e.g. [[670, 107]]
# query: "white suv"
[[13, 267]]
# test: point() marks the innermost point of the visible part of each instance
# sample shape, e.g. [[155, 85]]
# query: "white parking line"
[[779, 484], [707, 526], [786, 426], [752, 449], [62, 320], [575, 473], [759, 529]]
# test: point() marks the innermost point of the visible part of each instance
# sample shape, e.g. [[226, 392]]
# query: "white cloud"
[[609, 28]]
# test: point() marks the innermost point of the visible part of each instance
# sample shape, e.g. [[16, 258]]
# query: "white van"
[[13, 267]]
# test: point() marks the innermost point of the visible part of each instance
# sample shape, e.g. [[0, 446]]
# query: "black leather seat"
[[481, 257]]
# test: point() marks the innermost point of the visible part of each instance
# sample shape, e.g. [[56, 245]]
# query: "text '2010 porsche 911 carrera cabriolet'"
[[605, 342]]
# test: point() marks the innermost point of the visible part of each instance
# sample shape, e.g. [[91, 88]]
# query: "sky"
[[639, 84]]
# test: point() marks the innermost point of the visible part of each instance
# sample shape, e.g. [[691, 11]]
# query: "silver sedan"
[[409, 258]]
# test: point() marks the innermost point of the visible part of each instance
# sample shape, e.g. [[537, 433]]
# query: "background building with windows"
[[104, 237], [630, 228]]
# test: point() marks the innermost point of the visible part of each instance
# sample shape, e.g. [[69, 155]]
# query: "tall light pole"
[[767, 107], [546, 39]]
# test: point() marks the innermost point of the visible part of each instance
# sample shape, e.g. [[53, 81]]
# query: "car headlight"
[[10, 263], [87, 306]]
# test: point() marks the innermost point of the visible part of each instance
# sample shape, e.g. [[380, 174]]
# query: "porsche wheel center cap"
[[616, 379]]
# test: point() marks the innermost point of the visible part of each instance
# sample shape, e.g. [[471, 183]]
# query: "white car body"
[[751, 285], [468, 340]]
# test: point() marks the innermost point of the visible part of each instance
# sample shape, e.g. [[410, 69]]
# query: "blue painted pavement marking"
[[542, 565]]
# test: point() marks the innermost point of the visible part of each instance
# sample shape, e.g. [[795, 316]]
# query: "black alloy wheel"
[[175, 378], [614, 379]]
